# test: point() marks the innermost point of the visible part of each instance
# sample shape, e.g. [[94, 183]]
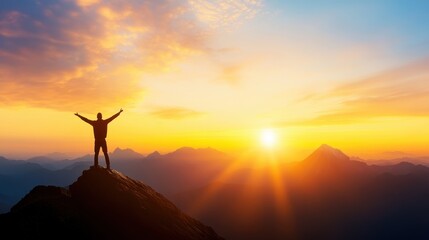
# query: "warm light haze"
[[237, 76]]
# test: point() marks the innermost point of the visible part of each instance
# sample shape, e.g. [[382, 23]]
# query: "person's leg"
[[96, 151], [106, 154]]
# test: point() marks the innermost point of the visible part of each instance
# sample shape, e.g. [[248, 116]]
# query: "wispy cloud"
[[398, 92], [225, 13], [175, 113], [78, 54]]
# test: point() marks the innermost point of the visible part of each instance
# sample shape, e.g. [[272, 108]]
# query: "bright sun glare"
[[268, 138]]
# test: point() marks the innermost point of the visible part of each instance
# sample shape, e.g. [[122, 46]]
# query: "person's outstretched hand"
[[121, 110], [77, 114]]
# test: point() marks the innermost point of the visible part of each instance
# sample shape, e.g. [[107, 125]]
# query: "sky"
[[220, 74]]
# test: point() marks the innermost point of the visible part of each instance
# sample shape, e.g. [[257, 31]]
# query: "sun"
[[268, 138]]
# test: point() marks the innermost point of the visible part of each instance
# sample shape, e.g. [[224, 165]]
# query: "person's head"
[[99, 116]]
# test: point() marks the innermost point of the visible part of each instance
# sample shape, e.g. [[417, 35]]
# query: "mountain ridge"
[[327, 153], [102, 204], [330, 194]]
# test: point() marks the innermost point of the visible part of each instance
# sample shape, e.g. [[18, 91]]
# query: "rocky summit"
[[101, 204]]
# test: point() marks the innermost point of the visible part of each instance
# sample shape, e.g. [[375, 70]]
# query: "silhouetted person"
[[100, 133]]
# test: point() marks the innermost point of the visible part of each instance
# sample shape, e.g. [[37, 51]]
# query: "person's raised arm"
[[114, 116], [83, 118]]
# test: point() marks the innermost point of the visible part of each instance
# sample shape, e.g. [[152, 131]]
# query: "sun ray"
[[208, 194], [285, 213]]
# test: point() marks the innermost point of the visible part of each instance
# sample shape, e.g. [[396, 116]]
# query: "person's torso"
[[100, 129]]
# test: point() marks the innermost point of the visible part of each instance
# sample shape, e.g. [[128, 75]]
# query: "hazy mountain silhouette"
[[49, 163], [126, 154], [154, 155], [18, 177], [171, 173], [53, 162], [12, 167], [391, 161], [49, 160], [327, 159], [190, 153], [329, 166], [101, 204], [176, 171], [326, 196], [327, 153]]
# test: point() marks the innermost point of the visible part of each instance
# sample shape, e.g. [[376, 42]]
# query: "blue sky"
[[403, 22]]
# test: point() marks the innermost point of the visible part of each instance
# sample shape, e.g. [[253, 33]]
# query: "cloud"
[[175, 113], [79, 54], [86, 3], [398, 92], [225, 13]]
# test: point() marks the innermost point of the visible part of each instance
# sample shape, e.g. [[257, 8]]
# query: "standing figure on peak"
[[100, 133]]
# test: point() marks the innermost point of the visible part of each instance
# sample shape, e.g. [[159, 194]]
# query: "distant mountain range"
[[328, 195], [55, 162], [169, 173]]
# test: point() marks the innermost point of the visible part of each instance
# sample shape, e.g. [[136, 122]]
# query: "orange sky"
[[214, 73]]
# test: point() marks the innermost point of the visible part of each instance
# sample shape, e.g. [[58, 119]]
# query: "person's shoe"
[[94, 167]]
